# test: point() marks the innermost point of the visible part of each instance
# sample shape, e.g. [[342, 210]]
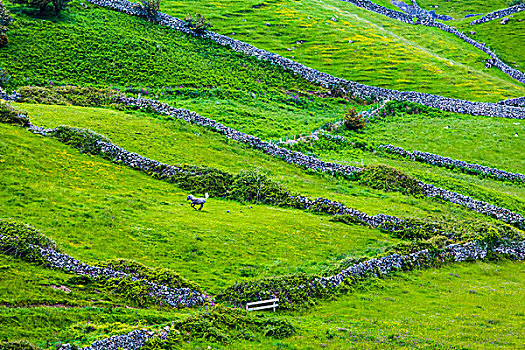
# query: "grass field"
[[384, 52], [415, 310], [509, 38]]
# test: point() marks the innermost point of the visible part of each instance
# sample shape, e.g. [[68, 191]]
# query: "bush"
[[353, 120], [11, 115], [198, 23], [36, 4], [286, 288], [203, 179], [386, 178], [69, 95], [515, 2], [17, 238], [41, 5], [150, 7], [223, 325], [254, 186], [348, 219], [60, 5], [83, 139], [397, 108]]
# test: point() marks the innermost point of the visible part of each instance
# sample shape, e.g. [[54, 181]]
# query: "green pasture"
[[506, 40], [360, 45], [176, 142], [96, 210]]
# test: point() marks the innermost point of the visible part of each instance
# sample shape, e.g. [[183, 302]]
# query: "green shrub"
[[135, 292], [203, 179], [36, 4], [386, 178], [83, 139], [421, 229], [198, 23], [11, 115], [348, 219], [398, 108], [515, 2], [41, 5], [353, 120], [433, 244], [150, 7], [60, 5], [161, 276], [223, 325], [255, 187], [283, 287], [17, 237], [68, 95]]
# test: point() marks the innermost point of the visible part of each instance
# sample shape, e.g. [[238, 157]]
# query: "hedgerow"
[[283, 287], [69, 95], [161, 276], [83, 139], [12, 115], [222, 325], [386, 178], [16, 238]]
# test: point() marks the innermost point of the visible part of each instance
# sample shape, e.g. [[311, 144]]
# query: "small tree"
[[353, 120], [60, 5], [150, 7], [198, 23]]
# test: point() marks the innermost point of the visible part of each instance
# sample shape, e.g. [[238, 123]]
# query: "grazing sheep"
[[197, 201]]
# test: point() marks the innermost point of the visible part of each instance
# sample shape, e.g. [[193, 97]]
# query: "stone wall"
[[175, 297], [310, 162], [438, 160], [133, 340], [518, 101], [499, 14]]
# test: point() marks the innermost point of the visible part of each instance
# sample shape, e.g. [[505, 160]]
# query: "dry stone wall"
[[175, 297], [499, 14], [438, 160]]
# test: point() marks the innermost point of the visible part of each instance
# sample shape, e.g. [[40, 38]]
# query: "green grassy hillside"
[[98, 210], [382, 51], [509, 37]]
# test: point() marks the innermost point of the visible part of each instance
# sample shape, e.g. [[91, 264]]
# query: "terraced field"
[[362, 256]]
